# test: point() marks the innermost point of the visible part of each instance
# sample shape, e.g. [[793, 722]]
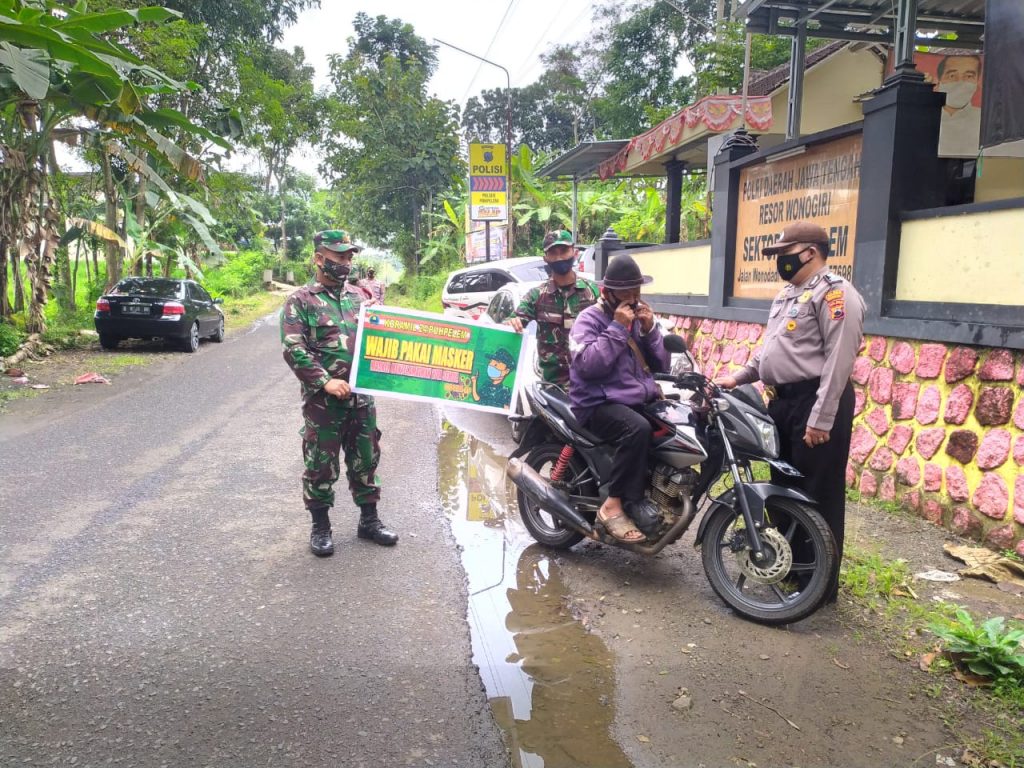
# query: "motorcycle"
[[766, 550]]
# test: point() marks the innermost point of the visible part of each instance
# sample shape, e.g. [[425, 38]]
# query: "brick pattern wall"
[[938, 429]]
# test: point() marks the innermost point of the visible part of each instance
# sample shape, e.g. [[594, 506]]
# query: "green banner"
[[424, 356]]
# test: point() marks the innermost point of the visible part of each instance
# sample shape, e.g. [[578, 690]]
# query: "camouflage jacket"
[[555, 310], [318, 331]]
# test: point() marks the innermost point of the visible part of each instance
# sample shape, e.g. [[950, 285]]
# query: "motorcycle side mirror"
[[674, 343], [683, 363]]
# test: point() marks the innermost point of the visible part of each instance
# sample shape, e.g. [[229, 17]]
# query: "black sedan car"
[[157, 307]]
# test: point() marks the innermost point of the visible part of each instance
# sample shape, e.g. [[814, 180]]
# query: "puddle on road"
[[550, 683]]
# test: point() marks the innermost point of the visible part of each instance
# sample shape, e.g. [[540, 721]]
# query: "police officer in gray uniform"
[[813, 336]]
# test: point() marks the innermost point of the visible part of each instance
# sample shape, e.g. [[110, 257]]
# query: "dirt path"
[[840, 689]]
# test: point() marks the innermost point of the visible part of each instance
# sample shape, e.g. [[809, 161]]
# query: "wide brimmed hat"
[[624, 274], [337, 240], [798, 232]]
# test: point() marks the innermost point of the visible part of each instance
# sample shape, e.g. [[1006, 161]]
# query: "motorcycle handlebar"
[[691, 380]]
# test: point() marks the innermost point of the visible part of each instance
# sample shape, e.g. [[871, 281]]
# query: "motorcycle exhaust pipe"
[[541, 493]]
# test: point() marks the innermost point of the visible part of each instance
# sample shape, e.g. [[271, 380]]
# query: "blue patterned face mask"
[[563, 267], [493, 372]]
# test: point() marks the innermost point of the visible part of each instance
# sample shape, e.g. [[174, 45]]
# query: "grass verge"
[[985, 716], [241, 313]]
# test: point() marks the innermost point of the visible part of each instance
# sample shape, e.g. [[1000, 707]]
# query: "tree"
[[637, 69], [63, 76], [229, 30], [280, 109], [720, 61], [235, 203], [389, 148], [552, 114]]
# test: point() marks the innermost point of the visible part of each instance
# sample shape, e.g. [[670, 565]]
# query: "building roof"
[[864, 20], [768, 81], [581, 161]]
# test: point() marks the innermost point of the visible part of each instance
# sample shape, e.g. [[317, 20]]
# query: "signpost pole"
[[487, 239], [508, 144]]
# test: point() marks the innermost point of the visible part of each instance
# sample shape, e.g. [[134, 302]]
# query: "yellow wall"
[[677, 270], [829, 92], [976, 258], [1001, 178]]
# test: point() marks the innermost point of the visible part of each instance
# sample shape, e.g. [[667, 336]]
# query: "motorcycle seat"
[[558, 400]]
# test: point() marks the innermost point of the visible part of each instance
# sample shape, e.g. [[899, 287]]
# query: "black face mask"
[[335, 271], [788, 264], [563, 267]]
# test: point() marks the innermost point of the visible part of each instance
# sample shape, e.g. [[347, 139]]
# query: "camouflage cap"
[[504, 356], [558, 237], [337, 240]]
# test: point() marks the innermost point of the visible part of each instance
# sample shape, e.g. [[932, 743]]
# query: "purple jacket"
[[604, 368]]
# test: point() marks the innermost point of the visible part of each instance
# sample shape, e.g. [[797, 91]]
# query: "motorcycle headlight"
[[769, 436]]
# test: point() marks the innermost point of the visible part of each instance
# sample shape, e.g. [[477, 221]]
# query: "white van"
[[468, 291]]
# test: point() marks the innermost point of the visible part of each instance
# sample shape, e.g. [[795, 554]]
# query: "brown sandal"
[[619, 527]]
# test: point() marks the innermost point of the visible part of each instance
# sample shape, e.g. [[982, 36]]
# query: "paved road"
[[159, 606]]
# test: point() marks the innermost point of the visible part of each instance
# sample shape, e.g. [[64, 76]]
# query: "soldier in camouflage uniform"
[[318, 331], [555, 305]]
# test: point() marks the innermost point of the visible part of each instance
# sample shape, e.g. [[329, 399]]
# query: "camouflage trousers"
[[332, 426]]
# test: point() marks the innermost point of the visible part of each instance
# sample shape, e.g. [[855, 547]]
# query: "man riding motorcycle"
[[615, 346]]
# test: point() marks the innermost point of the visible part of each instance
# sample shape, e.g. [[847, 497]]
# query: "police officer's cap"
[[623, 274], [800, 232], [337, 240]]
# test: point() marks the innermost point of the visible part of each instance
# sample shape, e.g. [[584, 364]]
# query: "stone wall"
[[938, 429]]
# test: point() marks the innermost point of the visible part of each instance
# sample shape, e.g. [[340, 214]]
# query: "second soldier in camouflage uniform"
[[318, 330], [555, 305]]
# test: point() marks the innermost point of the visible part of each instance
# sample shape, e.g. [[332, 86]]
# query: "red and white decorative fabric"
[[716, 113]]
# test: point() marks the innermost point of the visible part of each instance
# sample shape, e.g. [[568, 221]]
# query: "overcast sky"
[[528, 28]]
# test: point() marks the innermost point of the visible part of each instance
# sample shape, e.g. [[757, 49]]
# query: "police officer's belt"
[[796, 389]]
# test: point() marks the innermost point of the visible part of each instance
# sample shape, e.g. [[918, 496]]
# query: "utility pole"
[[508, 145]]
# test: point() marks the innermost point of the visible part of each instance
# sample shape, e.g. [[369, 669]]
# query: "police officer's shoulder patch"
[[836, 300]]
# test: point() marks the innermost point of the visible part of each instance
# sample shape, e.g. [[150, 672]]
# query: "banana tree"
[[446, 235], [57, 69]]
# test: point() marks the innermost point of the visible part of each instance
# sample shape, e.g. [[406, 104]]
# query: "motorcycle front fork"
[[738, 480]]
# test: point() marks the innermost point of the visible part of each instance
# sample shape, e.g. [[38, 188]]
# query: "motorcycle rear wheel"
[[800, 591], [545, 528]]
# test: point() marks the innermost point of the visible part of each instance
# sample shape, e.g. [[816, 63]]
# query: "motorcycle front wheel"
[[543, 526], [792, 581]]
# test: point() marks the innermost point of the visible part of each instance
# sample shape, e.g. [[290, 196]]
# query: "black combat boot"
[[320, 542], [370, 527]]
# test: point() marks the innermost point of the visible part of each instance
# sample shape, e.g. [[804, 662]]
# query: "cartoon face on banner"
[[958, 75]]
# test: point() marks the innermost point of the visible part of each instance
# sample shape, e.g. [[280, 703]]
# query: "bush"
[[303, 269], [240, 275], [10, 339], [990, 649], [422, 292]]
